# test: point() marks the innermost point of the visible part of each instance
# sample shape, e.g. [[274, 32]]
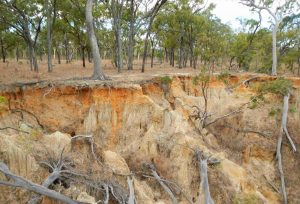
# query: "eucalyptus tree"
[[289, 42], [116, 8], [151, 16], [25, 18], [98, 72], [241, 44], [73, 14], [135, 22], [277, 15], [8, 42], [51, 9]]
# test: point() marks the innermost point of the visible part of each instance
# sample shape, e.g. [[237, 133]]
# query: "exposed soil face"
[[143, 122]]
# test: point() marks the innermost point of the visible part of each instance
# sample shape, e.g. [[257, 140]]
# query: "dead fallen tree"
[[21, 182], [247, 130], [58, 169], [283, 130], [131, 197], [204, 195], [161, 182], [12, 128], [204, 116]]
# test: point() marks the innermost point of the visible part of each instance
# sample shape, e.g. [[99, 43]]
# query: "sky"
[[229, 10]]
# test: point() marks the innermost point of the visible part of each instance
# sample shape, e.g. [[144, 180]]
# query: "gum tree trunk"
[[98, 73], [274, 48], [3, 51], [49, 34], [131, 37]]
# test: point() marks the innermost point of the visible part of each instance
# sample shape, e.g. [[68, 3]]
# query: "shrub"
[[244, 198], [279, 86], [165, 80], [293, 109], [274, 112], [255, 101], [203, 77], [3, 100], [224, 76]]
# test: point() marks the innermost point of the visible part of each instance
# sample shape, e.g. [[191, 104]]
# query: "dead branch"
[[29, 113], [204, 196], [178, 188], [245, 130], [271, 184], [106, 201], [163, 185], [49, 91], [28, 185], [131, 198], [90, 139], [290, 139], [57, 168], [224, 116], [246, 83], [12, 128], [283, 129]]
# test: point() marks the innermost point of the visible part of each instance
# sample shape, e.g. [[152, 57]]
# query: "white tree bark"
[[204, 196], [277, 20], [28, 185], [283, 129], [131, 198], [163, 185], [49, 34], [274, 47], [98, 73]]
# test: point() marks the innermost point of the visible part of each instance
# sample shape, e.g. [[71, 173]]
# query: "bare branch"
[[12, 128], [28, 185], [163, 185], [204, 185], [131, 199]]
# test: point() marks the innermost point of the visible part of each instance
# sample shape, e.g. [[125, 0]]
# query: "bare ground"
[[19, 72]]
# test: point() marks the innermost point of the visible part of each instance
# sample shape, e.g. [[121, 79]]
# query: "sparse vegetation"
[[166, 80], [274, 112], [280, 86], [3, 100], [246, 199], [224, 77], [152, 93]]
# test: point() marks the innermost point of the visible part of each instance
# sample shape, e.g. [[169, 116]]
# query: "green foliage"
[[255, 101], [166, 80], [279, 86], [188, 26], [203, 77], [3, 100], [293, 109], [224, 76], [273, 112], [244, 198]]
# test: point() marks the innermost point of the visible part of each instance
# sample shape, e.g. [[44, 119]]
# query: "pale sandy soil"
[[13, 72]]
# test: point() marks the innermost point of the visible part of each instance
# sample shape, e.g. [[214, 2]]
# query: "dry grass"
[[12, 71]]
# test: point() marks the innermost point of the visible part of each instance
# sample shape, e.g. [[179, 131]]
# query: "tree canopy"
[[180, 32]]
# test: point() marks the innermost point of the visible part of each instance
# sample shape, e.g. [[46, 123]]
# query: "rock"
[[85, 198], [17, 158], [56, 141], [115, 162], [160, 202], [211, 140], [235, 173], [204, 132], [143, 192], [24, 127]]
